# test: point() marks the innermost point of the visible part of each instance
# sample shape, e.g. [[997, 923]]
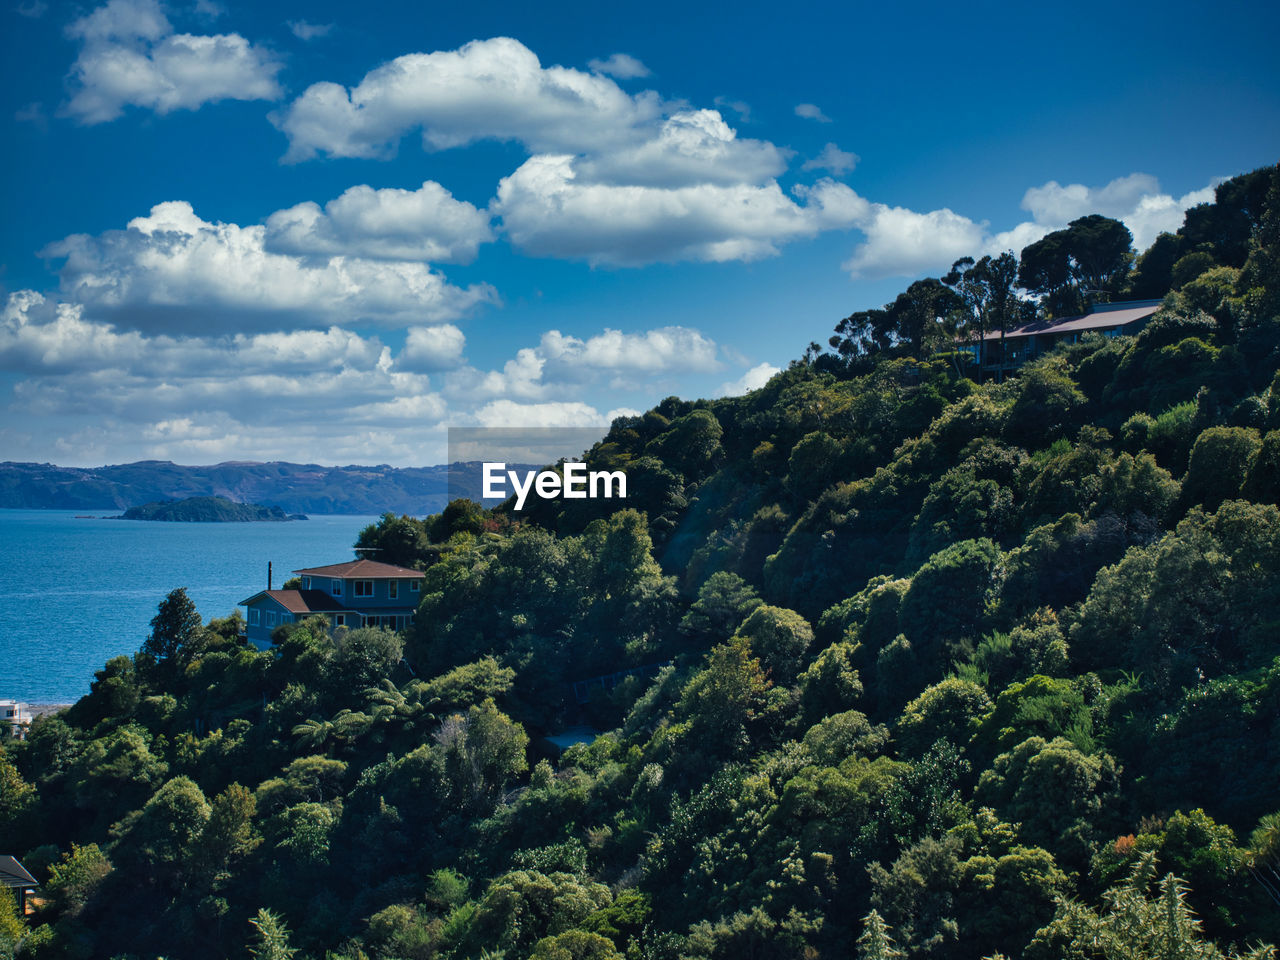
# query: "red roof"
[[361, 569], [302, 601], [1103, 317]]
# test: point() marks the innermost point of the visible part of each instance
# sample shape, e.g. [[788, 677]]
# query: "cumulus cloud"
[[753, 379], [172, 268], [508, 413], [690, 147], [620, 65], [904, 242], [611, 178], [487, 89], [547, 211], [131, 56], [99, 391], [428, 349], [56, 337], [1136, 199], [562, 365], [833, 159], [424, 224], [810, 111], [309, 31]]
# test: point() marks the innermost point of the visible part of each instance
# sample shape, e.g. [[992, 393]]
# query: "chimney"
[[268, 574]]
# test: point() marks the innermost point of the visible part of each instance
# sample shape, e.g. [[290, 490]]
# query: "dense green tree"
[[75, 878], [175, 629], [989, 302], [723, 602], [271, 937], [482, 751], [1219, 465], [779, 638], [944, 711], [1072, 267], [396, 540]]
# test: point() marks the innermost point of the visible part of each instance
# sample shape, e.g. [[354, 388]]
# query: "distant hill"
[[208, 510], [293, 487]]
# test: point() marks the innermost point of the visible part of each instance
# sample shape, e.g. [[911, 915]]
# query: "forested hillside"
[[889, 659]]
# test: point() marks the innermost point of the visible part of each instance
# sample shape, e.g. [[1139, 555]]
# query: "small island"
[[208, 510]]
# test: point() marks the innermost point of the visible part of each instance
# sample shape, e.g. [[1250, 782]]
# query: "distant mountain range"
[[294, 487]]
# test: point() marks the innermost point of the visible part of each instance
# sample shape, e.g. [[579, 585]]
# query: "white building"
[[18, 716]]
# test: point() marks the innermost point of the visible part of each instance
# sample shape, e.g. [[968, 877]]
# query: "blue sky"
[[324, 232]]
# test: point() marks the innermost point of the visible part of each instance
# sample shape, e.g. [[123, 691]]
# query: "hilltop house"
[[1033, 339], [359, 593]]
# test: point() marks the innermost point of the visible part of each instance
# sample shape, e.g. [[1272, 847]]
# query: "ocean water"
[[76, 592]]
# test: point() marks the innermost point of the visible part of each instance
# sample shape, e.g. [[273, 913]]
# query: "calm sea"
[[75, 592]]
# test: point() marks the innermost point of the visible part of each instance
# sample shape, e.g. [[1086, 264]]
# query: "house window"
[[340, 620], [393, 589], [336, 587], [255, 616], [364, 588], [286, 618], [415, 586], [306, 583], [271, 619]]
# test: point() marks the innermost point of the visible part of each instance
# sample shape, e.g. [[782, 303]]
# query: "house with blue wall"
[[358, 593], [998, 352]]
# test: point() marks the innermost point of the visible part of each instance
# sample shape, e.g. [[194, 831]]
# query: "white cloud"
[[612, 179], [428, 349], [832, 158], [904, 242], [99, 392], [130, 56], [173, 268], [508, 413], [309, 31], [810, 111], [40, 335], [32, 10], [1136, 199], [424, 224], [753, 379], [487, 89], [620, 65], [655, 351], [690, 147], [546, 211], [562, 365]]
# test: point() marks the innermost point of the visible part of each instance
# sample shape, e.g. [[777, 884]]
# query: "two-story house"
[[358, 593]]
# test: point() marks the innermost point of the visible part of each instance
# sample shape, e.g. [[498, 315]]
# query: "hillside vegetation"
[[890, 662]]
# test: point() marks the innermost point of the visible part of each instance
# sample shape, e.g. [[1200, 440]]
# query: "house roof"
[[301, 601], [1102, 317], [14, 874], [361, 569]]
